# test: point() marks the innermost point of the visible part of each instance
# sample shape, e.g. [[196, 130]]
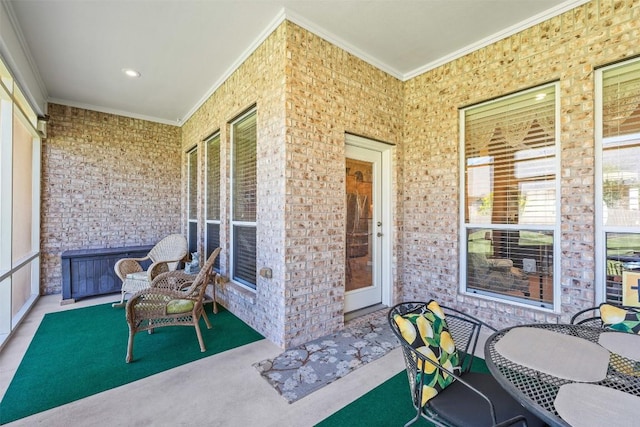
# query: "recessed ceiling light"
[[131, 73]]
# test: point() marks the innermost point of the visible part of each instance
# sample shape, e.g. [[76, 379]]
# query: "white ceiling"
[[186, 48]]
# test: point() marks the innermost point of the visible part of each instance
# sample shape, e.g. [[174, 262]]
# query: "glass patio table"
[[569, 375]]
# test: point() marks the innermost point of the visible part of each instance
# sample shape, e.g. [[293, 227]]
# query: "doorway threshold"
[[363, 312]]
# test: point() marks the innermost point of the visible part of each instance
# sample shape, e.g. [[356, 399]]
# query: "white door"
[[364, 227]]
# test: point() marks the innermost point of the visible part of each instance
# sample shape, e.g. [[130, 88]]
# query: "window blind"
[[510, 160], [192, 201], [244, 188], [193, 184], [621, 145], [213, 178], [510, 195], [245, 170], [621, 100]]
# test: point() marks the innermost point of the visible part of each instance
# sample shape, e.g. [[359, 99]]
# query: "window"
[[20, 150], [243, 199], [618, 183], [192, 200], [212, 213], [509, 198]]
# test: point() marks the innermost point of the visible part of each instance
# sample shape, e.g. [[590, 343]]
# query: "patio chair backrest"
[[464, 329], [171, 248], [200, 283]]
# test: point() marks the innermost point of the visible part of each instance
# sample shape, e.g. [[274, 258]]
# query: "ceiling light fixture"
[[541, 96], [131, 72]]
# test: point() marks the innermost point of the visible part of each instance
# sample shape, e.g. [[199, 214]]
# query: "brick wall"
[[107, 181], [566, 48], [308, 94], [259, 81], [329, 92]]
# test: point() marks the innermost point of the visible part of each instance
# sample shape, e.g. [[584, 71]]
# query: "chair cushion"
[[138, 275], [178, 306], [461, 406], [620, 319], [428, 333]]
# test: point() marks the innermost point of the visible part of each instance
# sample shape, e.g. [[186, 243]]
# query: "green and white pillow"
[[620, 319], [428, 333]]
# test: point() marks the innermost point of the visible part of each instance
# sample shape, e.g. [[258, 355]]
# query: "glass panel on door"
[[359, 234]]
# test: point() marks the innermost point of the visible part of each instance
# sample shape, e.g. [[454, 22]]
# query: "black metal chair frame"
[[465, 330]]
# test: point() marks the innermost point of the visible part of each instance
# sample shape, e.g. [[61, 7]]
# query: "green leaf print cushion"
[[428, 333], [620, 319]]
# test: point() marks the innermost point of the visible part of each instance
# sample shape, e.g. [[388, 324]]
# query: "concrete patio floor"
[[220, 390]]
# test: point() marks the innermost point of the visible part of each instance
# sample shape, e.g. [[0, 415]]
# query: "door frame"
[[386, 209]]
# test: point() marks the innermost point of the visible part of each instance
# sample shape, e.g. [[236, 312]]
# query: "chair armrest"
[[159, 267], [156, 269], [126, 266], [173, 280]]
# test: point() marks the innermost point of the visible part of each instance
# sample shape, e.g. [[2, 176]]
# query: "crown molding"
[[289, 15], [341, 43], [112, 111], [514, 29]]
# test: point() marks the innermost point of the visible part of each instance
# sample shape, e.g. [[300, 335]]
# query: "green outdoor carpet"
[[81, 352], [389, 404]]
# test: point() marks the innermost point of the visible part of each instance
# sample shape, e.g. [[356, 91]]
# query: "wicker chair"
[[174, 298], [164, 256], [448, 393]]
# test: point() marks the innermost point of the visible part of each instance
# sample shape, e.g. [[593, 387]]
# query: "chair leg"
[[130, 347], [121, 303], [199, 334], [215, 304], [416, 418], [206, 318]]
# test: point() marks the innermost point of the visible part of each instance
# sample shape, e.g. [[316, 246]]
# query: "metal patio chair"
[[438, 344]]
